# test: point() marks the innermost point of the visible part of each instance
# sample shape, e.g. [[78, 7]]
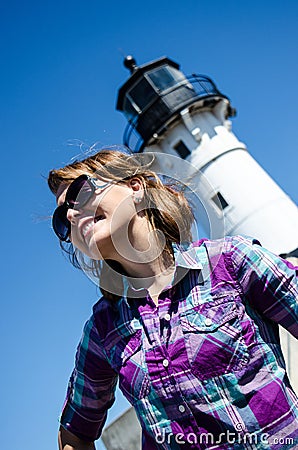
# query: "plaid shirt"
[[204, 368]]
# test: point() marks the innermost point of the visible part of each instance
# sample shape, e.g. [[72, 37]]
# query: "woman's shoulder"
[[112, 315], [223, 250], [105, 308], [225, 243]]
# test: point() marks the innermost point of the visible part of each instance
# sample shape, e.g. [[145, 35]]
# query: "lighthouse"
[[185, 121]]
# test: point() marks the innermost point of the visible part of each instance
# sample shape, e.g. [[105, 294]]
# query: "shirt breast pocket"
[[133, 377], [213, 337]]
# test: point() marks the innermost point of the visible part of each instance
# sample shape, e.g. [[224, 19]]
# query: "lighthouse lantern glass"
[[130, 109], [165, 77], [148, 88], [143, 93]]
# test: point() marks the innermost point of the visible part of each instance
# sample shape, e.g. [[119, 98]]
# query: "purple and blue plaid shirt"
[[204, 368]]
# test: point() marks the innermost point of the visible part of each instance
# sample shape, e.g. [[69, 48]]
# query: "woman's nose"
[[71, 215]]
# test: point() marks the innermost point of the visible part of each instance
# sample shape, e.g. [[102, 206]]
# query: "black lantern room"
[[155, 93]]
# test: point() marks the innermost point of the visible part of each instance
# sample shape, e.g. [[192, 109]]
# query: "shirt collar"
[[187, 255]]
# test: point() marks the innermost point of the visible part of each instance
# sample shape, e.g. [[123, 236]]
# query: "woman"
[[189, 329]]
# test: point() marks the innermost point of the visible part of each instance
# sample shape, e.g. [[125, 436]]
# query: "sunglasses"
[[78, 195]]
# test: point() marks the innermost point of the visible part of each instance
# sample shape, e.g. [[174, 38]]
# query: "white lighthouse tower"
[[184, 120], [188, 118]]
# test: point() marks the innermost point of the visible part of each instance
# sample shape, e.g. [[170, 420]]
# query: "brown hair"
[[166, 206]]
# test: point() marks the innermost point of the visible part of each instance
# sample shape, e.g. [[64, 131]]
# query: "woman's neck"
[[152, 275], [145, 257], [148, 267], [152, 278]]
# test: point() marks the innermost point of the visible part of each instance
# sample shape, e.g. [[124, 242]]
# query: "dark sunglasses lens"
[[79, 192], [61, 224]]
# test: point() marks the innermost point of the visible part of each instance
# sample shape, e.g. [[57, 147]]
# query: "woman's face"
[[102, 228]]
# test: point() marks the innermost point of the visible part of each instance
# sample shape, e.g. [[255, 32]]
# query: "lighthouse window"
[[130, 109], [143, 93], [181, 148], [220, 201], [164, 77]]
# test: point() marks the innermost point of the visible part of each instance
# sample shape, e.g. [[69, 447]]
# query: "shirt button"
[[165, 363], [181, 408], [167, 317], [208, 322]]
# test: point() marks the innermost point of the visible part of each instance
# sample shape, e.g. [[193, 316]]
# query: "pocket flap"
[[209, 316]]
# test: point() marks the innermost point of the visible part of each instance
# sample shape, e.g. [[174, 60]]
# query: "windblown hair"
[[166, 206]]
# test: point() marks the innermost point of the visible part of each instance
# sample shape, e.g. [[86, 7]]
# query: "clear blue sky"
[[61, 69]]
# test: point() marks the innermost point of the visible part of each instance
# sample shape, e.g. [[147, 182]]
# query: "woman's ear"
[[138, 191]]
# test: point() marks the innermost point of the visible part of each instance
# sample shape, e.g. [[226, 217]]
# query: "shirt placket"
[[161, 369]]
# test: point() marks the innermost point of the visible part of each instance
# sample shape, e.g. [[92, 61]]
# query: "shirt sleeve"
[[91, 389], [268, 282]]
